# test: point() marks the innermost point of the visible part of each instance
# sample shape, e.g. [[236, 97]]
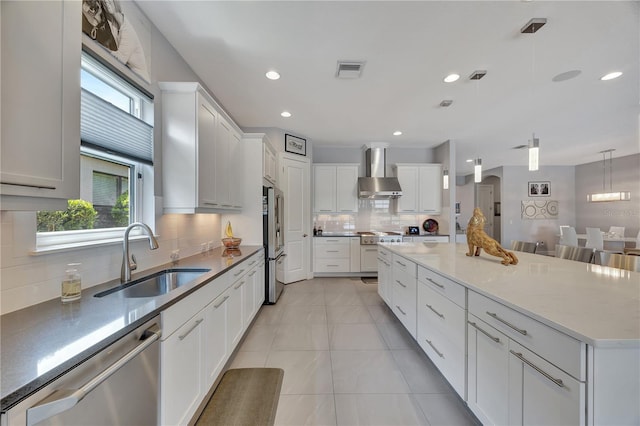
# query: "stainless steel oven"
[[369, 247], [118, 386]]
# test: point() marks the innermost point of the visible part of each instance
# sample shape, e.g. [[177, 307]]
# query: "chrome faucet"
[[130, 265]]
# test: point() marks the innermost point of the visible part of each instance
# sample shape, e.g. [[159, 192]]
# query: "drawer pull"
[[332, 266], [235, 287], [401, 264], [191, 329], [224, 299], [519, 330], [474, 325], [400, 309], [252, 262], [252, 274], [434, 348], [29, 185], [436, 312], [435, 283], [332, 241], [238, 273], [538, 369], [332, 251], [401, 284]]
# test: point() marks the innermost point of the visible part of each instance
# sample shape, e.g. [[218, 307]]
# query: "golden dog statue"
[[476, 237]]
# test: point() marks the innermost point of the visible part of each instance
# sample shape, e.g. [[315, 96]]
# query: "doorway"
[[485, 203]]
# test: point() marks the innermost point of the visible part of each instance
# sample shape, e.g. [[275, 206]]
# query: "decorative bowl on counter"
[[231, 242]]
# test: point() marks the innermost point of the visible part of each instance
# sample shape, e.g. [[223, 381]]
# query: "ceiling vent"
[[533, 25], [349, 69], [446, 103], [477, 75]]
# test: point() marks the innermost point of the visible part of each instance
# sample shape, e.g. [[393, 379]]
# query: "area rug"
[[245, 396]]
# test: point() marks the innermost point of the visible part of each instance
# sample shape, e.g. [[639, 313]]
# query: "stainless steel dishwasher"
[[117, 386]]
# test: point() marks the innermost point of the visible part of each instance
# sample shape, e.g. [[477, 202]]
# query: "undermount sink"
[[157, 284]]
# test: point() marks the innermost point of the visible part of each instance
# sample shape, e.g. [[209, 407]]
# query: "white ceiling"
[[409, 47]]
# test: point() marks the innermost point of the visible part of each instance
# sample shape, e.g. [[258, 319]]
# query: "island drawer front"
[[558, 348], [404, 304], [437, 312], [385, 254], [328, 251], [402, 264], [451, 290], [332, 265], [179, 313]]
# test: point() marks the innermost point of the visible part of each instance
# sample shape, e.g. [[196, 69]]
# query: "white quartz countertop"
[[594, 304]]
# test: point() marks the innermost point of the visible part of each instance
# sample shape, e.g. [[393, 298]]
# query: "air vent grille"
[[477, 75], [533, 25], [349, 69], [445, 103]]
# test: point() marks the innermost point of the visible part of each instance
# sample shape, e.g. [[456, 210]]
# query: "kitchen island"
[[44, 341], [544, 341]]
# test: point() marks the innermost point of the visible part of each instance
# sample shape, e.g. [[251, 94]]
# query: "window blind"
[[106, 127]]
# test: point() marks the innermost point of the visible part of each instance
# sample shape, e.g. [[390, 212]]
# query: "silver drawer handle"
[[332, 251], [209, 203], [238, 273], [29, 185], [64, 399], [434, 348], [235, 287], [538, 369], [474, 325], [252, 262], [436, 312], [332, 266], [224, 299], [191, 329], [401, 284], [253, 273], [435, 283], [519, 330], [400, 263], [400, 309]]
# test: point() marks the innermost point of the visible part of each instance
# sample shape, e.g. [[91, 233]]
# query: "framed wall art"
[[295, 145], [539, 189]]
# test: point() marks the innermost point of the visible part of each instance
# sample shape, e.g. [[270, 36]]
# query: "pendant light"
[[611, 195], [534, 146], [445, 179], [477, 170]]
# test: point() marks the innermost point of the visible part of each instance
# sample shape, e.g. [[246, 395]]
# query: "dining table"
[[613, 242]]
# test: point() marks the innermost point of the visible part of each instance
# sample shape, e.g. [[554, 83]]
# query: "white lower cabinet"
[[404, 292], [331, 254], [384, 275], [487, 372], [200, 333]]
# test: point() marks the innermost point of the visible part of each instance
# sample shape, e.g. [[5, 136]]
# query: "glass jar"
[[71, 287]]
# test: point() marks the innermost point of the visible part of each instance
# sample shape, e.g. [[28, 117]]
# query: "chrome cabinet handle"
[[224, 299], [64, 399], [332, 251], [252, 274], [238, 273], [434, 348], [474, 325], [191, 329], [436, 312], [401, 264], [252, 262], [235, 287], [400, 309], [435, 283], [401, 284], [29, 185], [538, 369], [508, 324]]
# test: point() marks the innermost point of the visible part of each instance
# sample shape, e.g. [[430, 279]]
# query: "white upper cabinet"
[[201, 153], [335, 188], [40, 163], [421, 188]]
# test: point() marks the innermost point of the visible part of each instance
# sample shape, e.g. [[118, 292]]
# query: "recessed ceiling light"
[[273, 75], [611, 76], [285, 114], [451, 78], [397, 133]]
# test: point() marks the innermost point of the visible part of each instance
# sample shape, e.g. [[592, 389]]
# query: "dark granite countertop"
[[41, 342], [337, 234]]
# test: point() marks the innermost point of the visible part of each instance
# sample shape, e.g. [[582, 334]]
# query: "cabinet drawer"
[[402, 264], [446, 355], [405, 282], [404, 307], [385, 254], [332, 265], [437, 312], [451, 290], [325, 251], [320, 241], [558, 348]]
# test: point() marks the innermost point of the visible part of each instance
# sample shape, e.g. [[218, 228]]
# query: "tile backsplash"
[[27, 279]]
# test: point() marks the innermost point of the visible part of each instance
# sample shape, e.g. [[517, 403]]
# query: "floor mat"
[[245, 396]]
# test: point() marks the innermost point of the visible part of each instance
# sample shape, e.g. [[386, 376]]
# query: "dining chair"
[[618, 231], [632, 250], [579, 254], [621, 261], [568, 236], [523, 246], [595, 239]]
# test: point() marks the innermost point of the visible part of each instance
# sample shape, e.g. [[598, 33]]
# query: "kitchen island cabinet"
[[40, 167], [549, 341]]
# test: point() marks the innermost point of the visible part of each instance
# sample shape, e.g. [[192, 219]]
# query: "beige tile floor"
[[347, 360]]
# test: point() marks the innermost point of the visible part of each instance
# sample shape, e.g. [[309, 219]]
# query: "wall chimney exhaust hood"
[[376, 185]]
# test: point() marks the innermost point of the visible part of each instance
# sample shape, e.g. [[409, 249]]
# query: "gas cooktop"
[[375, 237]]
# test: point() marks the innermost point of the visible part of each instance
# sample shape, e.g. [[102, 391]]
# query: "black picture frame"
[[539, 189], [295, 145]]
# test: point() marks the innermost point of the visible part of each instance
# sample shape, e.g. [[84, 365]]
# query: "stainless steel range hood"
[[376, 185]]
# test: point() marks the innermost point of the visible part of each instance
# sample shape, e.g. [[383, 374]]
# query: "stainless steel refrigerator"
[[273, 239]]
